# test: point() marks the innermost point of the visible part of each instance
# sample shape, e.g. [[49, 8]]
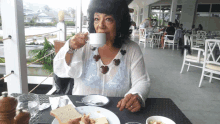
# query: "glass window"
[[141, 18], [155, 14], [179, 8], [155, 9], [142, 10], [215, 8], [165, 14], [203, 14], [203, 8], [215, 15]]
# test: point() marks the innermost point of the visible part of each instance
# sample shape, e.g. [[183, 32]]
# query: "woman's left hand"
[[130, 102]]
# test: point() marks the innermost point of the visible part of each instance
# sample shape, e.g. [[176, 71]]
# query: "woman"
[[200, 28], [193, 27], [121, 61], [193, 30], [170, 30], [145, 24]]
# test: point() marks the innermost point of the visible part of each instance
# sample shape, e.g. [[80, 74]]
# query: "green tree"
[[47, 61]]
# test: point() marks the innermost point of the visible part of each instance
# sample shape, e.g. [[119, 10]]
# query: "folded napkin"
[[60, 101]]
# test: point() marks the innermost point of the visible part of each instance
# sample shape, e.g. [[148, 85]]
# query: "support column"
[[79, 16], [138, 16], [61, 35], [146, 12], [173, 11], [14, 48]]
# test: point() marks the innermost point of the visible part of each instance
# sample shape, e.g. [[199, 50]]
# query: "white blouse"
[[130, 76]]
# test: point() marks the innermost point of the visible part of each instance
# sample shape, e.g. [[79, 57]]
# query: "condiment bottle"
[[7, 109], [22, 117]]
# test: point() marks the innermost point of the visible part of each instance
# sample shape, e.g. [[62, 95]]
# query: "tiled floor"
[[200, 105]]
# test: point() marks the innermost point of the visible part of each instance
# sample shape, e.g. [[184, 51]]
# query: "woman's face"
[[104, 23]]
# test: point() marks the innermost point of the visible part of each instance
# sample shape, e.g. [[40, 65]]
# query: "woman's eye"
[[109, 19], [96, 19]]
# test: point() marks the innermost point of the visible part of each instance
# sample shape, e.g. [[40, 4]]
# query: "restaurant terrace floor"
[[200, 105]]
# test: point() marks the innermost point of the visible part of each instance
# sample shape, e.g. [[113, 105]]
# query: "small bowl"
[[90, 99], [160, 118]]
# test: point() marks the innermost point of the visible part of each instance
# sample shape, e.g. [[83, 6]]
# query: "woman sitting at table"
[[117, 69], [170, 30], [146, 24], [200, 28]]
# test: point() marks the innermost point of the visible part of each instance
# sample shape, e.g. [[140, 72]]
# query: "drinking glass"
[[29, 102]]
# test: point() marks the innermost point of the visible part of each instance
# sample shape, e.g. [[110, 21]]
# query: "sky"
[[61, 4]]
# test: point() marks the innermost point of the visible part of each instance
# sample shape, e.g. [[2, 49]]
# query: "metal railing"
[[43, 33], [9, 37], [12, 72], [41, 83]]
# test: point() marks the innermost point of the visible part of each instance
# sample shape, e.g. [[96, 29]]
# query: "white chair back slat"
[[215, 33], [190, 59], [201, 35], [211, 61], [211, 56], [188, 40]]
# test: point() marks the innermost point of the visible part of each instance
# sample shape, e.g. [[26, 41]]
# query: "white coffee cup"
[[97, 39]]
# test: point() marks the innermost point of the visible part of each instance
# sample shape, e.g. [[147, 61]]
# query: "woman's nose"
[[101, 23]]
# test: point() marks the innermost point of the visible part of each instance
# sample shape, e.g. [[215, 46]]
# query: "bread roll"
[[102, 120], [66, 113]]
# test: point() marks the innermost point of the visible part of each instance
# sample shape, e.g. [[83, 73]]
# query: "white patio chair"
[[211, 60], [145, 36], [200, 38], [155, 39], [194, 36], [142, 36], [194, 58], [170, 42], [52, 90], [215, 33], [218, 38]]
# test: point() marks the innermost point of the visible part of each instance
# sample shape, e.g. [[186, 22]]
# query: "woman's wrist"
[[71, 50]]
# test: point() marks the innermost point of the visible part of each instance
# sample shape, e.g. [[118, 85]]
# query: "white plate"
[[160, 118], [96, 112], [90, 99]]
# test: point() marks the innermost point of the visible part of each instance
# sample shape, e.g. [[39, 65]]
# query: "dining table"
[[153, 107]]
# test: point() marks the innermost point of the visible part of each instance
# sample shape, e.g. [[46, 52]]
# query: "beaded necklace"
[[105, 69]]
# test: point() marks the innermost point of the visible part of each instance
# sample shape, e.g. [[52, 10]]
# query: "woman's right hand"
[[78, 40]]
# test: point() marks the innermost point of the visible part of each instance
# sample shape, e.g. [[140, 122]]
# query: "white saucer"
[[91, 99]]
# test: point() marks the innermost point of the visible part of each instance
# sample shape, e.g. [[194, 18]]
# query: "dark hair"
[[120, 12], [200, 27], [181, 24], [170, 23]]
